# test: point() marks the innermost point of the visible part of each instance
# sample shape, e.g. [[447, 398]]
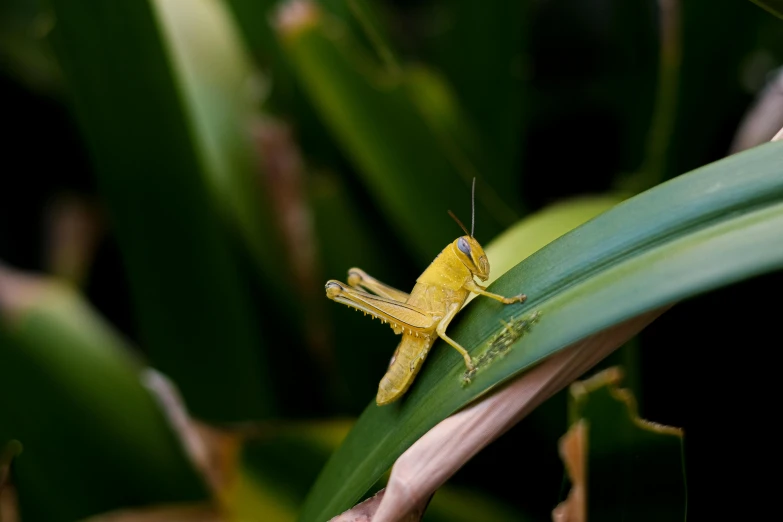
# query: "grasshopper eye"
[[463, 246]]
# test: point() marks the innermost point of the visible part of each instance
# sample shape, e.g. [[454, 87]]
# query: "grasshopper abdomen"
[[403, 367]]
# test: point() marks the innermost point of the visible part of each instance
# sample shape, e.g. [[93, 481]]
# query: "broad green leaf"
[[222, 93], [535, 232], [629, 468], [152, 120], [709, 228], [526, 237], [402, 129], [93, 437]]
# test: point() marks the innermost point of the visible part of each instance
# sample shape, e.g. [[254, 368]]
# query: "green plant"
[[170, 351]]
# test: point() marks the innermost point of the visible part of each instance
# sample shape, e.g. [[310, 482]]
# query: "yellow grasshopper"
[[436, 298]]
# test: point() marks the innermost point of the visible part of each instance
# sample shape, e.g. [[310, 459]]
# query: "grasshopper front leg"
[[441, 329], [482, 290], [455, 307]]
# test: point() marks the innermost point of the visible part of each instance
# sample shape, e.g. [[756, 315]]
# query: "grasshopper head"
[[467, 249], [472, 256]]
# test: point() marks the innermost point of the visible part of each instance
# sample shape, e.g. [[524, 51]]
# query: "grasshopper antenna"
[[472, 208], [455, 218]]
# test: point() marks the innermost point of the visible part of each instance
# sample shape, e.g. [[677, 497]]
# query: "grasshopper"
[[424, 313]]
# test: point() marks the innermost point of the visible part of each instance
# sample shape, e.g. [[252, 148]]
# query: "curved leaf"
[[144, 118], [709, 228], [403, 130], [94, 438], [532, 234]]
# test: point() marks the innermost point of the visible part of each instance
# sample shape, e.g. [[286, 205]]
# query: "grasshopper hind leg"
[[402, 317], [360, 279]]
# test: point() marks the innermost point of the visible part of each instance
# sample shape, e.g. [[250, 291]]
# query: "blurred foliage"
[[166, 175], [24, 52], [60, 358], [773, 6], [181, 177]]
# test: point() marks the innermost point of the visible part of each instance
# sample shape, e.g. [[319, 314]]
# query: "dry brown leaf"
[[294, 16], [572, 450], [365, 511], [74, 226], [282, 178], [9, 507], [19, 291], [213, 451], [763, 119], [9, 511]]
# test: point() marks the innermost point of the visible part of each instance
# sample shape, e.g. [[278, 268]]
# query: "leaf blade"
[[401, 130], [64, 373], [148, 161]]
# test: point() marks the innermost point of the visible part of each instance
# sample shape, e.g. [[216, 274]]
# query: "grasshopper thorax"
[[469, 251]]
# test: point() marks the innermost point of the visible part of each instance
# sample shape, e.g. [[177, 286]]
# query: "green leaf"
[[70, 392], [631, 469], [535, 232], [773, 6], [402, 129], [706, 229], [171, 168], [222, 92]]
